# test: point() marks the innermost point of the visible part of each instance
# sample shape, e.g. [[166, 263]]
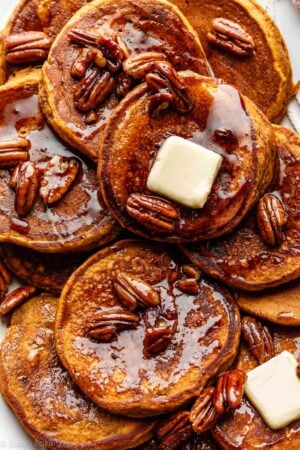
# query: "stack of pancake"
[[133, 305]]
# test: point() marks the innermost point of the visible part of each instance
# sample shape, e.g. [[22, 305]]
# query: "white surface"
[[12, 435], [274, 389], [184, 172]]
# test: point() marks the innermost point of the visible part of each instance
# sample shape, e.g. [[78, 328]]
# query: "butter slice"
[[274, 390], [184, 172]]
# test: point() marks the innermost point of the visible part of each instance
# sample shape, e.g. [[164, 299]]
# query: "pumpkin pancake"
[[39, 21], [48, 404], [242, 259], [122, 30], [150, 362], [280, 305], [75, 222], [260, 67], [46, 271], [244, 428], [220, 120]]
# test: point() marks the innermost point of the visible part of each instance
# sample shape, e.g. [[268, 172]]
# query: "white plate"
[[12, 435]]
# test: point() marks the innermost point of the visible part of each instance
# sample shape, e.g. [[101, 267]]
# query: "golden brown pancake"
[[77, 221], [242, 259], [46, 271], [244, 429], [280, 305], [265, 75], [220, 120], [129, 374], [141, 26], [48, 404], [46, 16]]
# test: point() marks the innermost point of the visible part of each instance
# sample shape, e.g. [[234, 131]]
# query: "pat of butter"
[[274, 390], [184, 172]]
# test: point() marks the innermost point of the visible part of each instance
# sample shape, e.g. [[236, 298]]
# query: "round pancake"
[[244, 429], [48, 404], [46, 271], [78, 221], [266, 75], [280, 305], [121, 375], [242, 259], [221, 120], [143, 26]]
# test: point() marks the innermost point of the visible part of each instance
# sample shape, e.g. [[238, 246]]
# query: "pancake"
[[221, 120], [48, 404], [77, 220], [131, 28], [264, 75], [42, 16], [242, 259], [244, 429], [280, 305], [46, 271], [166, 353]]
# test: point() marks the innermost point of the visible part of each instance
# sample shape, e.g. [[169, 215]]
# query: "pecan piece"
[[5, 280], [60, 173], [229, 390], [191, 271], [13, 151], [123, 84], [188, 286], [16, 298], [203, 414], [152, 212], [21, 226], [84, 59], [138, 66], [158, 102], [157, 339], [259, 339], [230, 36], [104, 325], [133, 291], [174, 431], [271, 219], [93, 89], [27, 47], [27, 186]]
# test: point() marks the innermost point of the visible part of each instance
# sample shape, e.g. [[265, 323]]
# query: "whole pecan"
[[231, 36], [104, 325], [203, 414], [27, 47], [16, 298], [152, 212], [259, 339], [138, 66], [59, 174], [13, 151], [229, 390], [84, 59], [174, 431], [27, 186], [133, 291], [157, 339], [271, 219], [93, 89]]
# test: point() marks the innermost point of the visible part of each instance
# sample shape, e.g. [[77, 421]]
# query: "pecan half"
[[93, 89], [13, 151], [83, 37], [112, 51], [84, 59], [188, 286], [104, 325], [152, 212], [229, 390], [123, 84], [16, 298], [138, 66], [191, 271], [133, 291], [271, 219], [157, 339], [259, 339], [27, 47], [27, 186], [4, 273], [174, 431], [203, 414], [59, 174], [158, 102], [230, 36]]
